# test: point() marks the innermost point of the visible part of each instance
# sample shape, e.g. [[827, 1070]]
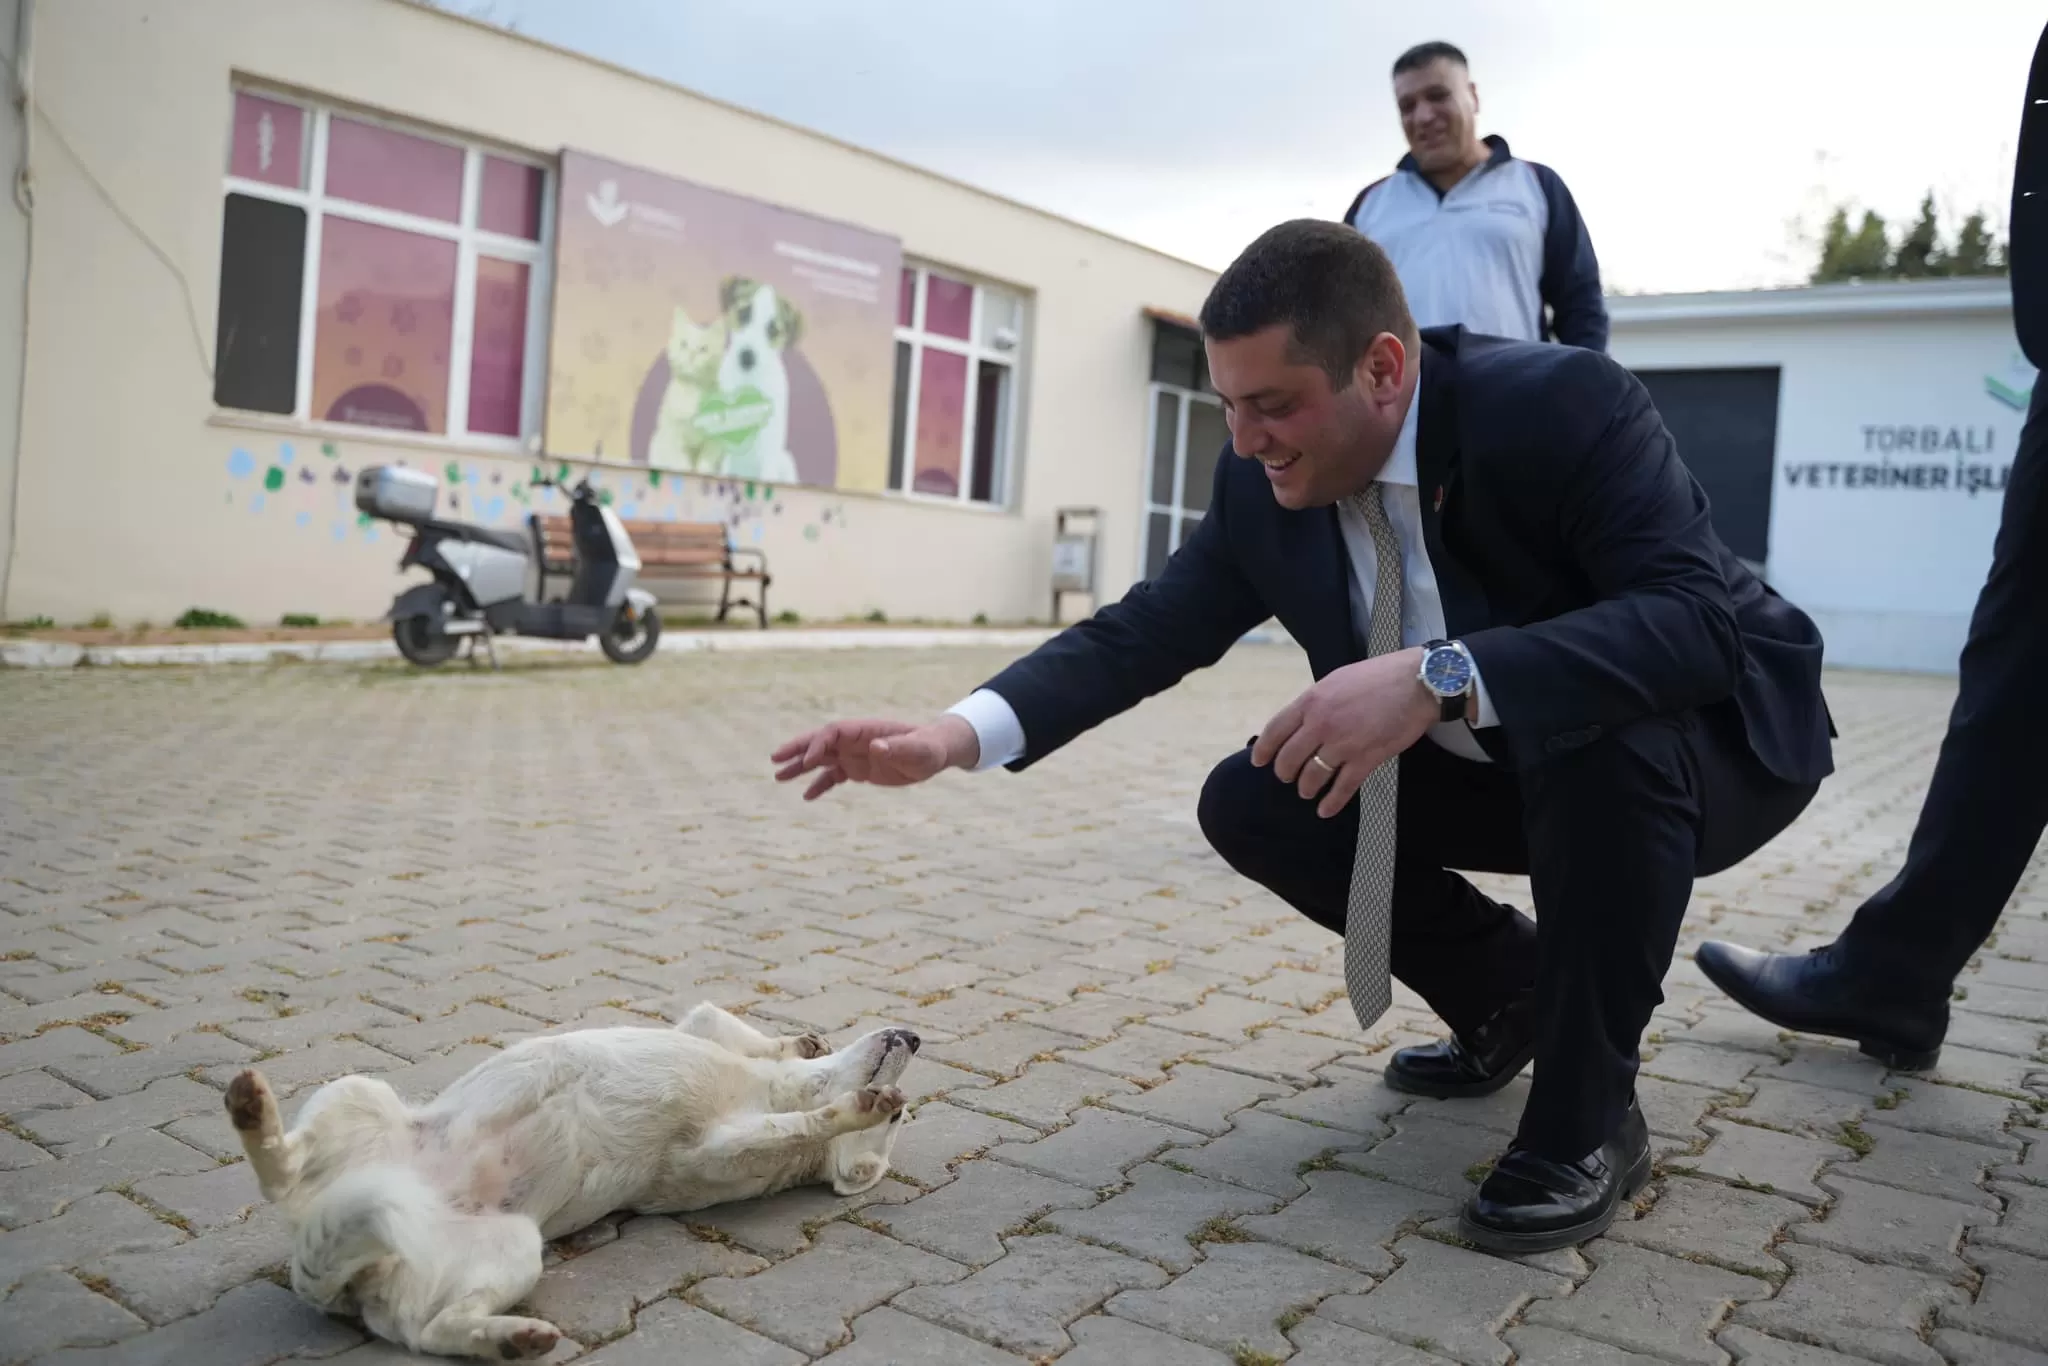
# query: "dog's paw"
[[809, 1046], [247, 1100], [886, 1100], [531, 1338]]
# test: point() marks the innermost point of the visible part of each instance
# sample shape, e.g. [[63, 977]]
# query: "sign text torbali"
[[1887, 462]]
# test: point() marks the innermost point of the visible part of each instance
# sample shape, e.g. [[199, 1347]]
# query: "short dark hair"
[[1422, 54], [1330, 284]]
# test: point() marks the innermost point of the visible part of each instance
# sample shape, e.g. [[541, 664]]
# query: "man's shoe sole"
[[1410, 1085], [1550, 1240], [1894, 1056]]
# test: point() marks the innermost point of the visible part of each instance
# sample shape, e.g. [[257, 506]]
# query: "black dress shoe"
[[1816, 993], [1534, 1204], [1474, 1064]]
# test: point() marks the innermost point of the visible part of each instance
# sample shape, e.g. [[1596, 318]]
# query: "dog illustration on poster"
[[749, 422]]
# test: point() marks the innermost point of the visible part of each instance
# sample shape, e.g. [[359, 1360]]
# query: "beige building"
[[265, 245], [259, 246]]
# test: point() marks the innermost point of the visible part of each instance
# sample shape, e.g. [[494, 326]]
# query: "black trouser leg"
[[1617, 831], [1988, 802], [1462, 952]]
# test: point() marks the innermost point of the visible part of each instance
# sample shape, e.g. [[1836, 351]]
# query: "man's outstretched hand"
[[885, 753]]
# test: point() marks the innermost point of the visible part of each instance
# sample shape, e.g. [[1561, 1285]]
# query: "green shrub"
[[204, 618]]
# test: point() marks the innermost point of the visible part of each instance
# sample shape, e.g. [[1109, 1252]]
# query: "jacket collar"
[[1497, 152]]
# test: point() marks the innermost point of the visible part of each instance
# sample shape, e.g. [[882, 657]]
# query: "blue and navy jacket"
[[1493, 253]]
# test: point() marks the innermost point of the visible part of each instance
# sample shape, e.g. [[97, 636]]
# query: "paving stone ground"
[[1149, 1130]]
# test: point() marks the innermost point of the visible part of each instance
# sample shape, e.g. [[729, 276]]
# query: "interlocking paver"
[[1349, 1219], [1047, 1094], [941, 1136], [178, 884], [40, 1191], [1835, 1301], [1647, 1302], [251, 1325], [1105, 1340], [1885, 1224], [1952, 1168], [1095, 1150], [889, 1337], [966, 1218], [2011, 1306], [1238, 1296], [670, 1331], [808, 1300], [1722, 1225], [1430, 1155], [1266, 1152], [52, 1309], [592, 1297], [1326, 1343], [1025, 1300], [1447, 1301], [1763, 1159]]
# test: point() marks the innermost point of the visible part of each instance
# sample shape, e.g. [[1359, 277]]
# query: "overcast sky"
[[1693, 135]]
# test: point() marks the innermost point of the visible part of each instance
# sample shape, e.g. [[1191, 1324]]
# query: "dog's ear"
[[792, 321], [729, 291]]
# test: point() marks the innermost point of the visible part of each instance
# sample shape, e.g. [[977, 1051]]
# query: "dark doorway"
[[1726, 426]]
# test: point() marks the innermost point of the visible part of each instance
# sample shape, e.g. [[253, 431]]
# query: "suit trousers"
[[1610, 835], [1987, 805]]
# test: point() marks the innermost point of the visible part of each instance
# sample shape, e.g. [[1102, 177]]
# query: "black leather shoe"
[[1475, 1064], [1533, 1204], [1816, 993]]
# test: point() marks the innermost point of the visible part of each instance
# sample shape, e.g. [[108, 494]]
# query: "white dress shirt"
[[1422, 611]]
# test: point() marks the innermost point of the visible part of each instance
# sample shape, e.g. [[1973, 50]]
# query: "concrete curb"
[[51, 654]]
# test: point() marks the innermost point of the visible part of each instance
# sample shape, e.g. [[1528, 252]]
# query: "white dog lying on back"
[[428, 1222]]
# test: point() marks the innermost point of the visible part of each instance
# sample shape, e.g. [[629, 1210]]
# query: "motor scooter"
[[488, 582]]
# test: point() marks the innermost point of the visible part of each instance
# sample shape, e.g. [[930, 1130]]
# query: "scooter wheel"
[[629, 642], [422, 645]]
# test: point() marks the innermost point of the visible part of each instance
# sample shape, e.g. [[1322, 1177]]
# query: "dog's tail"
[[368, 1214]]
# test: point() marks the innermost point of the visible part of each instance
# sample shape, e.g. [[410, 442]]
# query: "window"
[[379, 277], [954, 418], [1186, 434]]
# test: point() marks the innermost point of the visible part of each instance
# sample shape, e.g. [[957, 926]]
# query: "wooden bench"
[[688, 551]]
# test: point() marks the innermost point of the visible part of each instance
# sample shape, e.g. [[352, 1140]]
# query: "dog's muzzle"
[[902, 1038]]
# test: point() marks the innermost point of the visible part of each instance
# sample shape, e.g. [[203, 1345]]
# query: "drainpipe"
[[25, 200]]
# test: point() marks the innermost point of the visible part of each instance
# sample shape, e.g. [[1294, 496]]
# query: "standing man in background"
[[1478, 236], [1885, 982]]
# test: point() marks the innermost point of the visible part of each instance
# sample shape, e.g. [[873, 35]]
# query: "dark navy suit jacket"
[[2027, 240], [1571, 546]]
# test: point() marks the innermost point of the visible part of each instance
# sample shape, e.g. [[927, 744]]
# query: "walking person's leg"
[[1886, 981]]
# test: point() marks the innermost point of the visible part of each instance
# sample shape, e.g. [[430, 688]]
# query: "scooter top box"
[[396, 493]]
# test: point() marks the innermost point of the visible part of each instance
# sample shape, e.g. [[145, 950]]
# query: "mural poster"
[[708, 333]]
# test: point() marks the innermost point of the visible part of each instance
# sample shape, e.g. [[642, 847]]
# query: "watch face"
[[1447, 672]]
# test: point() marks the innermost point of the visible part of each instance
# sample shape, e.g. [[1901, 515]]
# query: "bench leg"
[[761, 605], [724, 598]]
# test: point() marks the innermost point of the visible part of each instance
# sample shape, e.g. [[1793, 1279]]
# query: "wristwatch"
[[1447, 671]]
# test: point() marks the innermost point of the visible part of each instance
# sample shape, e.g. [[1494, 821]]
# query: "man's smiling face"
[[1318, 442]]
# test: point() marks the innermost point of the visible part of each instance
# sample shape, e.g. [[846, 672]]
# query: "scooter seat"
[[519, 542]]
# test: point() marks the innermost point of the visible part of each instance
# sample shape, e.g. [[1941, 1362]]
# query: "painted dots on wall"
[[241, 464]]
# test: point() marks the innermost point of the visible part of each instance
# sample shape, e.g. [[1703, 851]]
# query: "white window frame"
[[1179, 511], [1013, 360], [471, 244]]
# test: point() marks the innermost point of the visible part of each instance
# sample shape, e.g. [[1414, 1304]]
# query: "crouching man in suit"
[[1532, 655]]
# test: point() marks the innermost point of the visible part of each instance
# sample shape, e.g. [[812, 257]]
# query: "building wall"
[[14, 233], [129, 484], [1890, 572]]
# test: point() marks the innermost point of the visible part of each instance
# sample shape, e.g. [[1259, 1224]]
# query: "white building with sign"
[[1855, 441]]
